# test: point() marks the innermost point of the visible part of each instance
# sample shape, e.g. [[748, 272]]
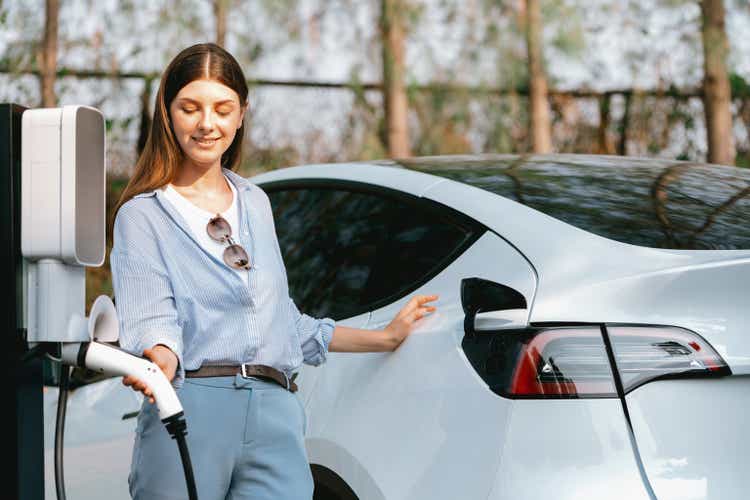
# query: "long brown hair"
[[161, 157]]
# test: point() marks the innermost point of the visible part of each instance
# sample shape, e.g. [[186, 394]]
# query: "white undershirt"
[[197, 219]]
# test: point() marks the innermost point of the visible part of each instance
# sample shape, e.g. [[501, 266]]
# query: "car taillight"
[[646, 353], [563, 362], [573, 361], [543, 362]]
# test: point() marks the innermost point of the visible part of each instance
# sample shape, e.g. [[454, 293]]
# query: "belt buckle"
[[286, 378], [243, 371]]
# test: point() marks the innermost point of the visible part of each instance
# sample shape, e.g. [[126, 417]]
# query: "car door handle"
[[132, 414]]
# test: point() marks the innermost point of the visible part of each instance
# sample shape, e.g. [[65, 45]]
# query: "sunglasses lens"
[[218, 228], [235, 256]]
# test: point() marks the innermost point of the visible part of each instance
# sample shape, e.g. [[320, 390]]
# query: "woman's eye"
[[188, 111], [224, 113]]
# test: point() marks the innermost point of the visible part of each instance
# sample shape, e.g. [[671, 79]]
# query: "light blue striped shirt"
[[170, 290]]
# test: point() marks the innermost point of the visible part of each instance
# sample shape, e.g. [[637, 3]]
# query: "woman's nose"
[[207, 121]]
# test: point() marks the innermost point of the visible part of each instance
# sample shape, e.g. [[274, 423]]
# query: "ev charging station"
[[53, 218]]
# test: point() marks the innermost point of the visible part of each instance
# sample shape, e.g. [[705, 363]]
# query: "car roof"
[[649, 202]]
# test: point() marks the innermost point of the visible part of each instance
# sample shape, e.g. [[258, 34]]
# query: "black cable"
[[187, 466], [177, 428], [62, 404]]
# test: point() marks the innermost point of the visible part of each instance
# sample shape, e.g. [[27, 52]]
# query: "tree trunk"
[[716, 91], [539, 122], [145, 126], [606, 145], [622, 147], [47, 55], [394, 88], [220, 13]]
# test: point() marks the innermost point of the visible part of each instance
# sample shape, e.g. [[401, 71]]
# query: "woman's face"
[[205, 117]]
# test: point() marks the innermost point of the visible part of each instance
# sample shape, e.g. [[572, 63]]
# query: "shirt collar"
[[240, 183]]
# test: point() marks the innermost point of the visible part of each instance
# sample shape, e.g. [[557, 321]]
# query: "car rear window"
[[647, 202]]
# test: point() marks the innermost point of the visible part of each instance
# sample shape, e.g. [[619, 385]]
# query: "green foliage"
[[570, 41], [740, 87], [564, 17], [256, 160]]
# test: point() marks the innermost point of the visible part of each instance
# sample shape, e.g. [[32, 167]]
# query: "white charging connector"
[[111, 360]]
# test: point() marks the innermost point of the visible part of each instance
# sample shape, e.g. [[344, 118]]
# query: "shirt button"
[[246, 232]]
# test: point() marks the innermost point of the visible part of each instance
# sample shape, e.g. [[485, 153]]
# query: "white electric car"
[[591, 339]]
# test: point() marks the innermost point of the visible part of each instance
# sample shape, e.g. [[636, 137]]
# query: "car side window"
[[348, 251]]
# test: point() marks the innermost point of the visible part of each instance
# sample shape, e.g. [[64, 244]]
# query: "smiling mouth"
[[205, 142]]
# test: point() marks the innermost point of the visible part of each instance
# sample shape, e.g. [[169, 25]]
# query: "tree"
[[47, 54], [392, 25], [220, 12], [717, 96], [539, 115]]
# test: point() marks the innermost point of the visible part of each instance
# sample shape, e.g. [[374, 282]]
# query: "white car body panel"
[[687, 433], [568, 450]]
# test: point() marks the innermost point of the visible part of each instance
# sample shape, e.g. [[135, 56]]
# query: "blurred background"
[[340, 80]]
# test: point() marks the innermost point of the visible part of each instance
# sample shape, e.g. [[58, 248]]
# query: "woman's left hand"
[[401, 325]]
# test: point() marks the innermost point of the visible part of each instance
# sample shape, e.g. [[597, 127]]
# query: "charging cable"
[[62, 405]]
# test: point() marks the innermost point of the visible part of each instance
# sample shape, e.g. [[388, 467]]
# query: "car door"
[[357, 252]]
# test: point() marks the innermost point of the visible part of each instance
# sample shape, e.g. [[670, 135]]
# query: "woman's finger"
[[415, 315], [426, 298], [148, 353], [420, 312], [425, 309], [130, 381], [420, 300]]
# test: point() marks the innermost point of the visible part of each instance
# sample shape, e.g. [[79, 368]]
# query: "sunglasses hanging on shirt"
[[234, 255]]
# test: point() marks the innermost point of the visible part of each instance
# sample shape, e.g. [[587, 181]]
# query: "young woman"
[[201, 290]]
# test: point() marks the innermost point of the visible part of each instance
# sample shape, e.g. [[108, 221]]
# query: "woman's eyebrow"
[[198, 102]]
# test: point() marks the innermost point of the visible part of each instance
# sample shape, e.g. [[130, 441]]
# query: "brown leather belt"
[[260, 371]]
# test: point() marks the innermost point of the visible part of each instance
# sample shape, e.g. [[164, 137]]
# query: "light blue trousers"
[[245, 438]]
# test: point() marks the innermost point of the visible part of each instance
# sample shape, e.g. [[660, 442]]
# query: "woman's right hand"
[[164, 358]]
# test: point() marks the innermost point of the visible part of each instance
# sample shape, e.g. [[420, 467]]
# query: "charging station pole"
[[52, 218], [23, 412]]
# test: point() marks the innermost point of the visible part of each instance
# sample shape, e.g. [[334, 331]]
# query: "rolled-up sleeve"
[[144, 298], [314, 335]]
